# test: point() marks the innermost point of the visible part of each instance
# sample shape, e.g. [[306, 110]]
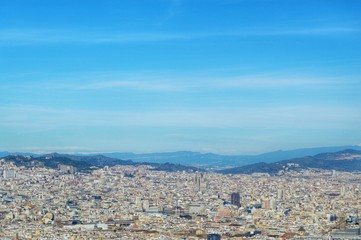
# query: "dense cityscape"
[[134, 202], [180, 119]]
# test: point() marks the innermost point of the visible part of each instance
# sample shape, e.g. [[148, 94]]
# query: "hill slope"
[[88, 163], [347, 160]]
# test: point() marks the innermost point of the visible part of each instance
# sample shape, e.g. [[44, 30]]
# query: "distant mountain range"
[[208, 161], [88, 163], [216, 161], [347, 160]]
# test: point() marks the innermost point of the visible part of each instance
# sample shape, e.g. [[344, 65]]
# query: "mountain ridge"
[[214, 161], [348, 160], [211, 160], [88, 163]]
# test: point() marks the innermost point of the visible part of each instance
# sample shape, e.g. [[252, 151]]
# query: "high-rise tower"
[[236, 199], [200, 182]]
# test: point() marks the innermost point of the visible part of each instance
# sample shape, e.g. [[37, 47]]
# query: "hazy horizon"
[[59, 151]]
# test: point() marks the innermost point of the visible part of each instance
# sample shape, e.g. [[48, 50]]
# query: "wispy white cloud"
[[175, 81], [315, 31], [159, 86], [44, 36], [250, 126], [57, 36], [304, 116], [272, 80], [173, 9]]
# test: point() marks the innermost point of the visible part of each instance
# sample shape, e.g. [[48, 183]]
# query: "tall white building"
[[8, 174]]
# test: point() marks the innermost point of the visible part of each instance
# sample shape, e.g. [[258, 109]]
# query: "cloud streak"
[[157, 86], [297, 117], [171, 12], [175, 82], [44, 36]]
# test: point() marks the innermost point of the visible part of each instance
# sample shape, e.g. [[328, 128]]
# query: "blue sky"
[[223, 76]]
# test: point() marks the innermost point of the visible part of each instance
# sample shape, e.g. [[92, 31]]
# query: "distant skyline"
[[222, 76]]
